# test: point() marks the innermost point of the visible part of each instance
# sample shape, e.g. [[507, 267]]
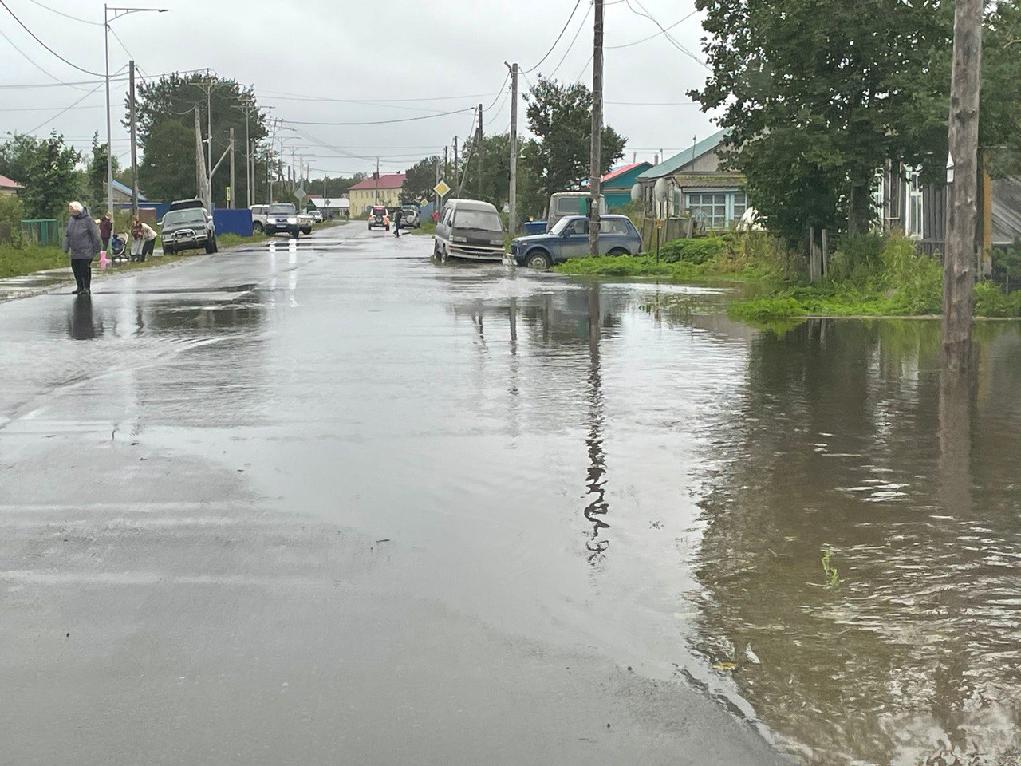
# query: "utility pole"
[[233, 178], [512, 220], [109, 121], [446, 165], [248, 159], [962, 179], [481, 152], [134, 140], [377, 181], [457, 170], [201, 179], [436, 204], [595, 164], [209, 133]]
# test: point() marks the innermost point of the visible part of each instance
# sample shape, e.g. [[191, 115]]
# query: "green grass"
[[18, 261], [427, 229], [646, 266], [233, 240]]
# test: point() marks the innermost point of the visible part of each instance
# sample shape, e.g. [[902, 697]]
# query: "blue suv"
[[569, 239]]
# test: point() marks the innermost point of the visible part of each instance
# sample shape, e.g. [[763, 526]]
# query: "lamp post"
[[107, 18]]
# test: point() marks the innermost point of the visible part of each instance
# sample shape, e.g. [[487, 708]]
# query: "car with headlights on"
[[282, 216]]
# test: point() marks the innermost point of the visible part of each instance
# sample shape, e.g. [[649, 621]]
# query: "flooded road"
[[333, 502]]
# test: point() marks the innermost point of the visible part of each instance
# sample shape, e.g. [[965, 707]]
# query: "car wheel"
[[306, 232], [617, 251], [167, 250], [538, 259], [210, 245], [258, 227]]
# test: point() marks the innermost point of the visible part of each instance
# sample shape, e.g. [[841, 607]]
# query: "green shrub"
[[859, 258], [699, 250], [767, 309], [11, 215], [992, 301]]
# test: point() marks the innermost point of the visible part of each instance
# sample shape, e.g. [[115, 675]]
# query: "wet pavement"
[[332, 502]]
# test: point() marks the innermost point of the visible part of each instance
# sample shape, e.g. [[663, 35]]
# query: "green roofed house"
[[693, 182], [616, 185]]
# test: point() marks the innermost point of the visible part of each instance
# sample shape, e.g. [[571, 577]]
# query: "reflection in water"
[[82, 323], [901, 646], [597, 507]]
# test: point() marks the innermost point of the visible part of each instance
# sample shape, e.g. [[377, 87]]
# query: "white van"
[[469, 229], [563, 204]]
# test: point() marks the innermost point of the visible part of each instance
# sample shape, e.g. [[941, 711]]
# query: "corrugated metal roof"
[[386, 181], [126, 190], [615, 172], [681, 159], [7, 183]]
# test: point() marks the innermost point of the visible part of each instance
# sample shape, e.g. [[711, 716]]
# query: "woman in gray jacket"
[[82, 243]]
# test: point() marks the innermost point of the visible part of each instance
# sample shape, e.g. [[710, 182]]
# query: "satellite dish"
[[636, 193], [660, 190]]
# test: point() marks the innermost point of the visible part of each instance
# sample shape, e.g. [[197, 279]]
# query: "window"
[[740, 204], [708, 208], [578, 227], [913, 214], [613, 226]]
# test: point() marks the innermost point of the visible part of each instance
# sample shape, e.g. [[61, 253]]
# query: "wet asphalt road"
[[334, 503]]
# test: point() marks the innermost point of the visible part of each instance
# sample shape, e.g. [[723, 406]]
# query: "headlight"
[[292, 220], [496, 242], [459, 239]]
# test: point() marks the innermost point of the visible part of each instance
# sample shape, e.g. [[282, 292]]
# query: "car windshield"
[[486, 220], [563, 223], [282, 209], [191, 215]]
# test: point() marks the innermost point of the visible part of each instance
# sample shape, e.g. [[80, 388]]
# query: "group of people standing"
[[84, 240]]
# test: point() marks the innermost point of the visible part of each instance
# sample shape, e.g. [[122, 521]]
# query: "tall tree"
[[560, 115], [96, 175], [173, 99], [818, 94], [47, 167], [419, 180], [495, 173], [167, 170]]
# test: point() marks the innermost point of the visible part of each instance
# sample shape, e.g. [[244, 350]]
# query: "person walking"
[[82, 242], [148, 240], [398, 215], [106, 230]]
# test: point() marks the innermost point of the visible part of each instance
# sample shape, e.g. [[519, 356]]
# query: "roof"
[[681, 159], [617, 172], [337, 202], [386, 181], [7, 183], [1006, 204], [126, 190]]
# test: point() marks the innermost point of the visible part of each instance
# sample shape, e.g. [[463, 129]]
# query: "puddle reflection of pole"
[[597, 507], [955, 437]]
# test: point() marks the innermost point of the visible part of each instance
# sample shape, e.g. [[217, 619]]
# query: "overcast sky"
[[452, 51]]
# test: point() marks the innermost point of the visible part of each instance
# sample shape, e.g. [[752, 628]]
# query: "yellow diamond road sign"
[[442, 189]]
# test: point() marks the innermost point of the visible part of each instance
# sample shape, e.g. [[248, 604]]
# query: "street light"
[[107, 18]]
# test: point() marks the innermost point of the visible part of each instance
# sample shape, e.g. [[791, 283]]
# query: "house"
[[616, 185], [694, 183], [122, 195], [8, 187], [383, 190], [331, 207]]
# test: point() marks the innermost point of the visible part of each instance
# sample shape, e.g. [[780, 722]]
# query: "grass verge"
[[18, 261]]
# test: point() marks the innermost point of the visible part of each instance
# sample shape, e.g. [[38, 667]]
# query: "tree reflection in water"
[[844, 439]]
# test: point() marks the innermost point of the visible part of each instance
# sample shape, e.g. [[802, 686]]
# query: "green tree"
[[494, 184], [818, 94], [95, 176], [560, 116], [167, 171], [419, 180], [11, 214], [47, 167], [174, 99]]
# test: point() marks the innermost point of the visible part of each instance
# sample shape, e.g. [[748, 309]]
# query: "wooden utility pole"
[[480, 151], [512, 220], [962, 179], [134, 140], [595, 164], [457, 171], [233, 177]]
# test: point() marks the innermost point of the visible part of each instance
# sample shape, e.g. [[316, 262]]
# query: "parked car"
[[469, 229], [570, 203], [187, 228], [185, 204], [282, 216], [259, 214], [305, 222], [317, 216], [410, 219], [378, 218], [569, 239]]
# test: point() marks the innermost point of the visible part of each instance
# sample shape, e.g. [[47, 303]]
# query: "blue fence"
[[233, 221]]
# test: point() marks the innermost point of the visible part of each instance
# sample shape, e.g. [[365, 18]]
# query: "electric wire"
[[67, 15], [378, 122], [64, 111], [644, 12], [651, 37], [577, 33], [31, 61], [559, 37], [44, 45]]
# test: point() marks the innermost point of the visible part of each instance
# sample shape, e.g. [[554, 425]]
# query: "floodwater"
[[797, 529]]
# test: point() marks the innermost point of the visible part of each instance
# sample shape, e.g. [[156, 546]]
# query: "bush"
[[767, 309], [698, 251], [11, 215], [860, 257], [992, 301]]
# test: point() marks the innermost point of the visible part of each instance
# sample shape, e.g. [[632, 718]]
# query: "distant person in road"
[[83, 243], [148, 240], [106, 230], [398, 215]]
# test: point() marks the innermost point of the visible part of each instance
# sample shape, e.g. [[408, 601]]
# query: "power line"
[[44, 108], [378, 122], [588, 12], [66, 15], [30, 60], [644, 12], [65, 110], [663, 31], [53, 52], [284, 96], [566, 24], [651, 103]]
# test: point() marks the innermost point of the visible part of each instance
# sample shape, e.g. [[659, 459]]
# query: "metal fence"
[[41, 231]]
